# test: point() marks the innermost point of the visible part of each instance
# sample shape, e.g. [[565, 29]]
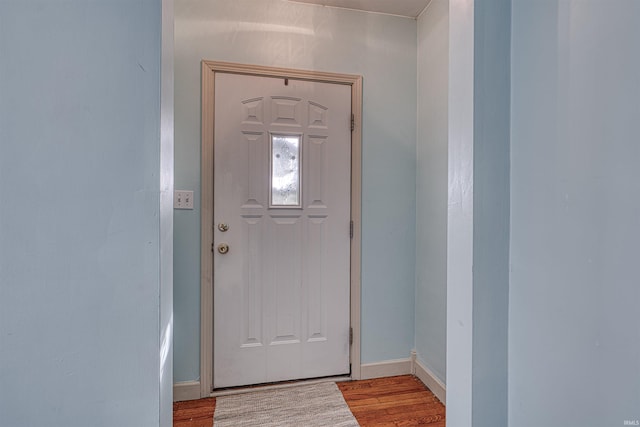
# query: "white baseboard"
[[388, 368], [188, 390], [431, 381]]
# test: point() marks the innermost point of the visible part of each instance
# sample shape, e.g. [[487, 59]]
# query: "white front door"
[[282, 159]]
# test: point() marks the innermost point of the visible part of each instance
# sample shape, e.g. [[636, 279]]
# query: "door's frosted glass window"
[[285, 170]]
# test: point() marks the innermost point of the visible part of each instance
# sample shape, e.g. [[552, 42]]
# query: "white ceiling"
[[409, 8]]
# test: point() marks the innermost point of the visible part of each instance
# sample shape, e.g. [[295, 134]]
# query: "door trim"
[[209, 69]]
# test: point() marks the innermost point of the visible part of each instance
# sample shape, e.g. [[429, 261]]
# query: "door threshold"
[[276, 386]]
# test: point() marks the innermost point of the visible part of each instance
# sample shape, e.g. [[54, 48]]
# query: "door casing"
[[209, 69]]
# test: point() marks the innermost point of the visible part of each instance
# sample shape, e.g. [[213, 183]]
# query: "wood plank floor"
[[383, 402], [393, 402]]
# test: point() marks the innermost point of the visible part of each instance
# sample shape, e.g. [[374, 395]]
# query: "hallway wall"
[[574, 334], [431, 188], [86, 168], [491, 215]]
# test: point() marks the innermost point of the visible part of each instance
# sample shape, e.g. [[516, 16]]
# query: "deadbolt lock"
[[223, 248], [223, 227]]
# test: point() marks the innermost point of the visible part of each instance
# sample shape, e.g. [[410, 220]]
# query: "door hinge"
[[353, 123], [350, 336], [351, 229]]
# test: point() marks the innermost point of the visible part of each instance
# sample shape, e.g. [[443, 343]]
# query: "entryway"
[[281, 210]]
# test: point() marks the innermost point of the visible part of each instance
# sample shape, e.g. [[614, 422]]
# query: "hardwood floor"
[[194, 413], [393, 402], [383, 402]]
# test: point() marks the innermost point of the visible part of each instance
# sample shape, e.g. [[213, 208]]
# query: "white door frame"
[[209, 69]]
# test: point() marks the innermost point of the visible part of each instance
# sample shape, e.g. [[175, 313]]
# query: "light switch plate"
[[182, 199]]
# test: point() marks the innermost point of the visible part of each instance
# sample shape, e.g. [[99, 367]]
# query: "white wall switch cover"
[[182, 199]]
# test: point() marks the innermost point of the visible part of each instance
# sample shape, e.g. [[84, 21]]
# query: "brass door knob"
[[223, 248]]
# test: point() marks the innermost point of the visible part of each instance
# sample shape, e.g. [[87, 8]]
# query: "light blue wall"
[[574, 334], [491, 132], [460, 215], [431, 188], [166, 214], [80, 214], [478, 213], [278, 33]]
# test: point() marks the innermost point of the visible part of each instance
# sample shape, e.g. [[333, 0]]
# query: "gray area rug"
[[314, 405]]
